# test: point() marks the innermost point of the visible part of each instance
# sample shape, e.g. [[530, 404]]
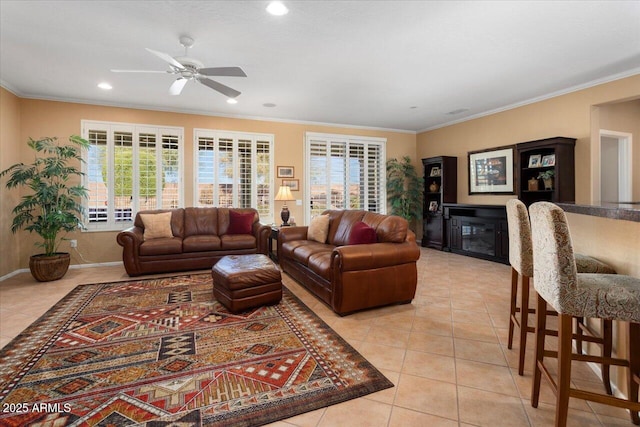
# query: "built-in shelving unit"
[[440, 186], [555, 155]]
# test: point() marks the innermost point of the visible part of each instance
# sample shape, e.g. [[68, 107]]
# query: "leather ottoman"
[[241, 282]]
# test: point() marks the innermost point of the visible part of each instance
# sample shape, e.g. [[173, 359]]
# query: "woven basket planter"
[[47, 268]]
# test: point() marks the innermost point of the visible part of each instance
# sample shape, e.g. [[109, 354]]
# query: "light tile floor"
[[446, 352]]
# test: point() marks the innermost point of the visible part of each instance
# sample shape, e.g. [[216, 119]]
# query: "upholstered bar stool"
[[605, 296], [521, 260]]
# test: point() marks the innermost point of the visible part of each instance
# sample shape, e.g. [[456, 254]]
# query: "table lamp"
[[284, 195]]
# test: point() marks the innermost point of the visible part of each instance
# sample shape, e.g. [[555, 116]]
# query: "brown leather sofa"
[[199, 240], [350, 278]]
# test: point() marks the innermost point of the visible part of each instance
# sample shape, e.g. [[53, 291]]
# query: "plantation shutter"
[[234, 170], [130, 168], [344, 172]]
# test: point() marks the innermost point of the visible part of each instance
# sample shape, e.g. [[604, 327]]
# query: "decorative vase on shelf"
[[548, 184], [434, 187], [533, 184]]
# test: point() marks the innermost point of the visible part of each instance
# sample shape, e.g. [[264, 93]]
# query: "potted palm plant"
[[54, 202], [404, 189]]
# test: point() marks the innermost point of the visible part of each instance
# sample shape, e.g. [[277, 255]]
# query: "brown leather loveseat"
[[352, 277], [197, 239]]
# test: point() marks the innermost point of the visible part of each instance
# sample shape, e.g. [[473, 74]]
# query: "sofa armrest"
[[262, 233], [292, 233], [130, 239], [373, 255]]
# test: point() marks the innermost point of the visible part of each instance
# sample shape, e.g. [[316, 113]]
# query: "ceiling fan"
[[187, 68]]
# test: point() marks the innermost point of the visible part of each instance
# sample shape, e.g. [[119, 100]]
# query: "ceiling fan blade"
[[166, 57], [177, 86], [222, 71], [225, 90], [139, 71]]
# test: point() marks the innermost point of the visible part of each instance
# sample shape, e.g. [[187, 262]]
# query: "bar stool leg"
[[579, 323], [607, 346], [565, 339], [541, 324], [634, 367], [524, 323], [512, 312]]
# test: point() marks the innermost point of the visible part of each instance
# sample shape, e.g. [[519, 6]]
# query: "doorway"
[[615, 166]]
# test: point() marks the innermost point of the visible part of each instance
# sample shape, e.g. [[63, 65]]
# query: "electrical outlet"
[[73, 243]]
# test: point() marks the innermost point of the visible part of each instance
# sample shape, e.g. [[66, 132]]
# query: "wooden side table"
[[273, 253]]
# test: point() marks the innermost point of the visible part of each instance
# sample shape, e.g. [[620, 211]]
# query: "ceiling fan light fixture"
[[232, 101], [105, 86], [189, 69], [277, 8]]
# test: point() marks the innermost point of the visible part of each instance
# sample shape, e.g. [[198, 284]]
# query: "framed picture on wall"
[[491, 171], [285, 172], [293, 184]]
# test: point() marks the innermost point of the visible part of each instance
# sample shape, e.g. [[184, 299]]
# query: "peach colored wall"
[[50, 118], [10, 150], [566, 115]]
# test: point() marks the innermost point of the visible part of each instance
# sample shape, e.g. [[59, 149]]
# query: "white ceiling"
[[360, 63]]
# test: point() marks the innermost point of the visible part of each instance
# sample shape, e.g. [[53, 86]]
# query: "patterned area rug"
[[163, 352]]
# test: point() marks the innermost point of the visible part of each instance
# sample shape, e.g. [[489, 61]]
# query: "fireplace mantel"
[[479, 231]]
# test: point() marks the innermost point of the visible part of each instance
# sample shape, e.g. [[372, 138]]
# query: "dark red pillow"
[[240, 223], [362, 234]]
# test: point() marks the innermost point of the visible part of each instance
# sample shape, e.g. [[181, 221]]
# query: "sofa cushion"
[[318, 229], [362, 234], [320, 263], [240, 223], [157, 226], [392, 229], [288, 248], [343, 231], [200, 221], [201, 243], [161, 246], [312, 254], [238, 241]]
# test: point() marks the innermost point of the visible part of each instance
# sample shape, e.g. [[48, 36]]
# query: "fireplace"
[[477, 230], [478, 237]]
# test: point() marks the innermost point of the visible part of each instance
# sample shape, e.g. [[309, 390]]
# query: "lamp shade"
[[284, 194]]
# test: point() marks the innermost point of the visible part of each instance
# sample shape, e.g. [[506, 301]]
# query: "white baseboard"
[[71, 267]]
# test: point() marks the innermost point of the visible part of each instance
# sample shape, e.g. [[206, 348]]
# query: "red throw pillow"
[[362, 234], [240, 223]]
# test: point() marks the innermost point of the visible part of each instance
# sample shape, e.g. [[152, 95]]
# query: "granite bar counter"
[[624, 211]]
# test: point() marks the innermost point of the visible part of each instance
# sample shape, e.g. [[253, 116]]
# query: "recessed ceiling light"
[[277, 8], [105, 86], [232, 101], [269, 104]]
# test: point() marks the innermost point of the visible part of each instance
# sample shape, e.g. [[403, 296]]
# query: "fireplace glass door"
[[479, 236]]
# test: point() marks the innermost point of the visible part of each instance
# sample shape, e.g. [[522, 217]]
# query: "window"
[[234, 170], [130, 168], [344, 172]]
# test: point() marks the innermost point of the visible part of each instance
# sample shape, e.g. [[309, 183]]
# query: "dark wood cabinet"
[[440, 186], [555, 155]]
